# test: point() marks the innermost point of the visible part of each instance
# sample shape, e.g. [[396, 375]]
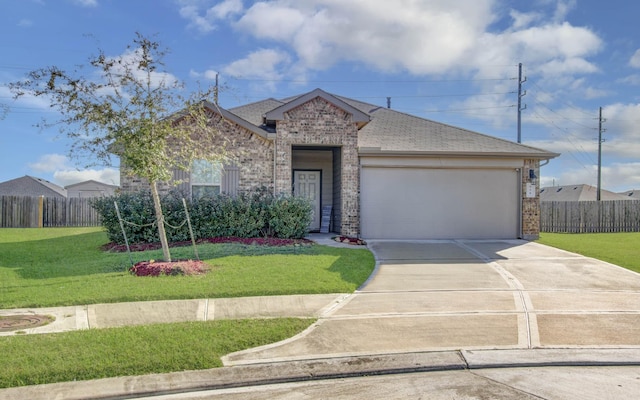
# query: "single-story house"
[[633, 194], [31, 186], [90, 188], [578, 193], [381, 173]]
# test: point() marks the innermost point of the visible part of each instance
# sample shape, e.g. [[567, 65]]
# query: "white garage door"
[[423, 203]]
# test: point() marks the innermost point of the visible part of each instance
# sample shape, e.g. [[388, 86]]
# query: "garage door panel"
[[421, 203]]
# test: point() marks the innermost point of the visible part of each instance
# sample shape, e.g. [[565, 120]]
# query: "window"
[[206, 178]]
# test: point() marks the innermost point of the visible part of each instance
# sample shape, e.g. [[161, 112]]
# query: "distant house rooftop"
[[578, 193], [31, 186]]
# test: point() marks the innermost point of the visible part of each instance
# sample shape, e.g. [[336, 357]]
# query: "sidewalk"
[[167, 311]]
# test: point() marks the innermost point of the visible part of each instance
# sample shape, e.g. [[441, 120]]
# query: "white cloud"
[[86, 3], [262, 64], [631, 79], [25, 23], [64, 174], [49, 163], [69, 176], [635, 59], [205, 20], [616, 177], [129, 61], [208, 74]]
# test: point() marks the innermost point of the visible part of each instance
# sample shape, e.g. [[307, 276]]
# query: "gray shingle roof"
[[394, 132], [578, 193], [31, 186]]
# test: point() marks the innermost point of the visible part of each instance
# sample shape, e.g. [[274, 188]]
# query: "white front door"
[[307, 184]]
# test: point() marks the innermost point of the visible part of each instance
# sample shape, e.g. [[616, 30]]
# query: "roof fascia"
[[229, 116], [277, 114]]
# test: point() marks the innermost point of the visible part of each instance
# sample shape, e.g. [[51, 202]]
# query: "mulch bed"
[[264, 241], [173, 268], [350, 240]]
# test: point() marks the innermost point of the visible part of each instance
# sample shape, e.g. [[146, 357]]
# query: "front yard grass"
[[621, 249], [65, 266], [102, 353]]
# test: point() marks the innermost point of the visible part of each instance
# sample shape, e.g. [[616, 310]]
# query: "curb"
[[320, 369]]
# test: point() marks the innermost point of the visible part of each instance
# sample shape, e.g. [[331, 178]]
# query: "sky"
[[451, 61]]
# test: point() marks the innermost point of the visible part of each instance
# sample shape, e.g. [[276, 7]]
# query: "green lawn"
[[101, 353], [622, 249], [65, 266]]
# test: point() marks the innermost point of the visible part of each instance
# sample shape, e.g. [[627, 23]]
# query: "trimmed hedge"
[[254, 214]]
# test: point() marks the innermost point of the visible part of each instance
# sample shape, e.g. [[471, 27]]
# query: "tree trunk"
[[160, 219]]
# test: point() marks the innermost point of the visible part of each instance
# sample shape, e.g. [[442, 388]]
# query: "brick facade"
[[530, 205], [266, 160], [250, 153], [320, 123]]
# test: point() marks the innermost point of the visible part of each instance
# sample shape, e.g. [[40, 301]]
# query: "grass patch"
[[621, 249], [65, 266], [102, 353]]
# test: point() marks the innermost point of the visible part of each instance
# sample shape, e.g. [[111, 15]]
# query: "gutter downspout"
[[275, 155]]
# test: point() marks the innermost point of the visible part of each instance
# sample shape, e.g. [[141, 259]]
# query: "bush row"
[[255, 214]]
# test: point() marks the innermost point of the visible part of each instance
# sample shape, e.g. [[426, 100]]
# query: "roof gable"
[[31, 186], [229, 116], [91, 183], [357, 115]]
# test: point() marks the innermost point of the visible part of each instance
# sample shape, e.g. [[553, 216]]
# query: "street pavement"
[[503, 307]]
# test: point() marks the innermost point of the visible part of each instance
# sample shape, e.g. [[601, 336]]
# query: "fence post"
[[40, 211]]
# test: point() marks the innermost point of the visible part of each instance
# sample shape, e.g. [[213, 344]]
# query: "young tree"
[[132, 107]]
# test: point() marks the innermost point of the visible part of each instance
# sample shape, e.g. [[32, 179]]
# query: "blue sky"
[[453, 61]]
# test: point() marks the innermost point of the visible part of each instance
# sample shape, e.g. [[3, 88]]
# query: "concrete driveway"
[[472, 295]]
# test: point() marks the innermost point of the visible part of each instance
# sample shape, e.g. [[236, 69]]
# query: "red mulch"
[[266, 241], [157, 268], [350, 240]]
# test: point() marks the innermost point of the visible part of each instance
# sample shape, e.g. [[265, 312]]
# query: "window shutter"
[[230, 180]]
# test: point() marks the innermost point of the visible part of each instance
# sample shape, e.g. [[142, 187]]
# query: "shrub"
[[248, 215], [289, 217]]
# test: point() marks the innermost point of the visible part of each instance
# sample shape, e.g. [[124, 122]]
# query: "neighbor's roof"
[[31, 186], [578, 193], [392, 132], [91, 182], [633, 194]]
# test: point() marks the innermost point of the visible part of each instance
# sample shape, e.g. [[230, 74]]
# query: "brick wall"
[[318, 122], [530, 206], [252, 154]]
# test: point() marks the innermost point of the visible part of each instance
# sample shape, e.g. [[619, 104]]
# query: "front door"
[[307, 184]]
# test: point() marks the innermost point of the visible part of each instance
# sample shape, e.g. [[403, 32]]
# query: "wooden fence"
[[36, 212], [590, 216]]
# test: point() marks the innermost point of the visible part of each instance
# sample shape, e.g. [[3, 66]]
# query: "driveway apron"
[[466, 294]]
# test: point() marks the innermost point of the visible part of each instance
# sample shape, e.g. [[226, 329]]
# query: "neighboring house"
[[633, 194], [90, 188], [578, 193], [31, 186], [385, 174]]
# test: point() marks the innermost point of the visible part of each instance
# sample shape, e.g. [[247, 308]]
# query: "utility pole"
[[520, 95], [600, 140], [215, 93]]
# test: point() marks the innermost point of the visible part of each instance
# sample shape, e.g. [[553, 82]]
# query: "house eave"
[[377, 152]]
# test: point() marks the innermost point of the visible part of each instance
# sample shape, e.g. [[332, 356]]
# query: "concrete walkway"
[[431, 305], [448, 295]]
